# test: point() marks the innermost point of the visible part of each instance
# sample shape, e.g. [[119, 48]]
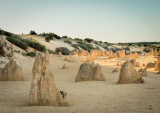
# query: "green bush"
[[87, 47], [127, 48], [32, 32], [147, 50], [17, 41], [64, 36], [24, 43], [2, 52], [75, 46], [2, 32], [89, 40], [35, 45], [78, 39], [31, 54], [47, 39], [67, 41], [63, 50], [51, 52]]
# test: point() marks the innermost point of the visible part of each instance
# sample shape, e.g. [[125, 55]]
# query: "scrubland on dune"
[[83, 81]]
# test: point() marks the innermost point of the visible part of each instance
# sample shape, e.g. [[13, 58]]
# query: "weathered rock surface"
[[128, 74], [43, 89], [143, 72], [150, 65], [89, 72], [11, 72], [65, 66], [115, 70]]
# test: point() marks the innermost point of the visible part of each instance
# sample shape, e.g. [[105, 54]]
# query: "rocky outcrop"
[[150, 65], [43, 89], [128, 74], [11, 72], [143, 72], [115, 70], [89, 72], [65, 66]]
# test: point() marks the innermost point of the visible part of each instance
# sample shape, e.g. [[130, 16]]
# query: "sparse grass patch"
[[31, 54]]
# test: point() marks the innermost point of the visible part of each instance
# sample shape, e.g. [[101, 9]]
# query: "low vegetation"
[[2, 32], [32, 32], [63, 50], [31, 54], [17, 41], [24, 43], [86, 46]]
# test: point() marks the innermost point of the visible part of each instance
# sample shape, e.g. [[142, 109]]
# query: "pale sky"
[[105, 20]]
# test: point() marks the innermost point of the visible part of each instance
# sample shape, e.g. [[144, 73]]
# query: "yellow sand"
[[84, 97]]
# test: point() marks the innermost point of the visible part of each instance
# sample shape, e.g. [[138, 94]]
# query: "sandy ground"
[[84, 97]]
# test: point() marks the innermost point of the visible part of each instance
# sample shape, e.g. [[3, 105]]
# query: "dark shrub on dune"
[[32, 32], [31, 54], [17, 41], [24, 43], [35, 45], [2, 52], [63, 50], [47, 39]]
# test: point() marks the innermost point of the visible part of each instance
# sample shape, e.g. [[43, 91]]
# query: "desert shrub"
[[106, 43], [127, 48], [17, 41], [51, 52], [32, 32], [83, 46], [47, 39], [31, 54], [64, 36], [75, 46], [87, 47], [35, 45], [2, 52], [63, 50], [147, 50], [2, 32], [67, 41], [89, 40], [63, 94], [78, 39]]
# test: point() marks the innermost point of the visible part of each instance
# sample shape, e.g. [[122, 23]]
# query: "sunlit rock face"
[[43, 90], [11, 72], [128, 74], [89, 72]]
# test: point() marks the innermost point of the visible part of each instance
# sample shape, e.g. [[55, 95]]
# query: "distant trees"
[[89, 40], [65, 36], [127, 48], [47, 39], [2, 32], [50, 35], [32, 32]]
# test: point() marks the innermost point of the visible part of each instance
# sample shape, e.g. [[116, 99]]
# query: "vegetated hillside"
[[51, 41]]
